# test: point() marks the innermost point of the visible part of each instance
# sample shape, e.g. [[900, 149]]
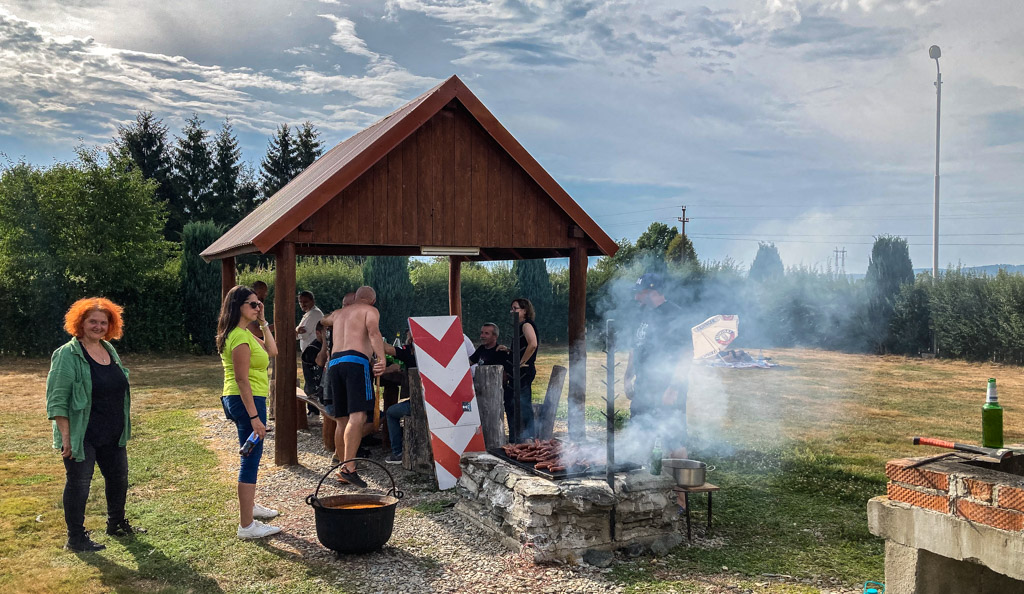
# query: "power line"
[[848, 243]]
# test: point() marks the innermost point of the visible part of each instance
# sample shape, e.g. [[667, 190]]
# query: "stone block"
[[593, 492], [599, 558], [533, 487], [468, 485], [641, 480], [543, 508]]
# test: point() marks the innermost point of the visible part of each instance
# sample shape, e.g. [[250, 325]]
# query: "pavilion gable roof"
[[304, 195]]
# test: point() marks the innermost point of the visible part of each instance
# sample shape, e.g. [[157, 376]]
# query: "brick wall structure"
[[966, 487]]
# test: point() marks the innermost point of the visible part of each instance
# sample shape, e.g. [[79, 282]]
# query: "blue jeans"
[[394, 414], [250, 465]]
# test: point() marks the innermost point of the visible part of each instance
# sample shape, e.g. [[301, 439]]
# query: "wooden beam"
[[455, 285], [227, 276], [577, 342], [285, 439]]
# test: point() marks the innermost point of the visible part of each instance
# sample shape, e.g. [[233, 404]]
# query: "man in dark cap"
[[657, 374]]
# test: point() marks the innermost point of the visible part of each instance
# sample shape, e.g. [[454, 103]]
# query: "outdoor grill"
[[594, 470]]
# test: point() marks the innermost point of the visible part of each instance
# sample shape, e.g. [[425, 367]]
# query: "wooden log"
[[490, 401], [417, 453], [546, 415], [227, 276], [577, 342], [286, 450]]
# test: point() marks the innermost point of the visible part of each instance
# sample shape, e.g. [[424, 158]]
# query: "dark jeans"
[[394, 414], [525, 409], [113, 462]]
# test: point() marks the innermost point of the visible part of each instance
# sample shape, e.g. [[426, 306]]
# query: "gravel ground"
[[434, 551]]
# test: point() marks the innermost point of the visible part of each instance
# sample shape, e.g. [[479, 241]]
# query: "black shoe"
[[83, 544], [351, 478], [123, 528], [394, 459]]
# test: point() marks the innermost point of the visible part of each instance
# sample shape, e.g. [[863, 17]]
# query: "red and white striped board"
[[448, 397]]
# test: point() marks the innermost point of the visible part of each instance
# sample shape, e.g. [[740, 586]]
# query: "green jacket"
[[69, 394]]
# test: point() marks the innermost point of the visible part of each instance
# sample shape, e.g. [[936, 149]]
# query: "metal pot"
[[354, 530], [687, 473]]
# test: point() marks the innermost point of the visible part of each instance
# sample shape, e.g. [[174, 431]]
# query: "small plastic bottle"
[[656, 455], [992, 419], [249, 444]]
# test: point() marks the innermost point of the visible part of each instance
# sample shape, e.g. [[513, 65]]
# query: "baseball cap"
[[650, 280]]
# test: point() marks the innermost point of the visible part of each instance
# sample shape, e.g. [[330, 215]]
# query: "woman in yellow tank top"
[[246, 358]]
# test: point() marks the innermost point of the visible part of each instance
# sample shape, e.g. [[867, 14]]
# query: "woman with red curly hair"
[[88, 400]]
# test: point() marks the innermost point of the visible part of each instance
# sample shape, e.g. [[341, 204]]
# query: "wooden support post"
[[455, 285], [417, 452], [577, 342], [285, 439], [490, 399], [227, 276]]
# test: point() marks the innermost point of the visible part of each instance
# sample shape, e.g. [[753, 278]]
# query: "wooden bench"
[[329, 422]]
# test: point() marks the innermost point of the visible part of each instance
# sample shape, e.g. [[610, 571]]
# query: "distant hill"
[[990, 269]]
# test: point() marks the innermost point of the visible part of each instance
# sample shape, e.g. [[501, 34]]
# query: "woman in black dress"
[[528, 344]]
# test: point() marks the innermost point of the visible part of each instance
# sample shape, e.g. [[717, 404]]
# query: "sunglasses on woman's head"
[[253, 304]]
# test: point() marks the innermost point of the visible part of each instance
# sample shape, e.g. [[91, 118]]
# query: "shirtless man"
[[356, 337]]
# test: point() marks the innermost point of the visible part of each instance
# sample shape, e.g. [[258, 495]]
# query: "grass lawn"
[[799, 450]]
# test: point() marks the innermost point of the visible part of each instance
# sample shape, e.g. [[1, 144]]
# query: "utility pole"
[[683, 220], [840, 253]]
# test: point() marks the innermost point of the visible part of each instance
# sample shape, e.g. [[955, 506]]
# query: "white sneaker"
[[264, 513], [257, 530]]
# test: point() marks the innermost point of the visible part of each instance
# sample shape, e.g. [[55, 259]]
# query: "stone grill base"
[[563, 520]]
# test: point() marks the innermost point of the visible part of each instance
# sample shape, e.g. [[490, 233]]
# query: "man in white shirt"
[[306, 330]]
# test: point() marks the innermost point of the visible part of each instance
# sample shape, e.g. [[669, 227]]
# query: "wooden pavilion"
[[439, 176]]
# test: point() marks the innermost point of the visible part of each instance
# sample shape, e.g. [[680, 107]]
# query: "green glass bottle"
[[656, 455], [992, 419]]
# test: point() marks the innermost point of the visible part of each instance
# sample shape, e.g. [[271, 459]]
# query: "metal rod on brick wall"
[[517, 416], [610, 414]]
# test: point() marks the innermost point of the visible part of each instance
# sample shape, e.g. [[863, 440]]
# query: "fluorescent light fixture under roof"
[[443, 250]]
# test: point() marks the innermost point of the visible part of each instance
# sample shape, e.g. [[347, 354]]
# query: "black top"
[[488, 356], [106, 419], [529, 370], [662, 337], [407, 355]]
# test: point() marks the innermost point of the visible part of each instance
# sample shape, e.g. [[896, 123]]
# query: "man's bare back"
[[356, 326]]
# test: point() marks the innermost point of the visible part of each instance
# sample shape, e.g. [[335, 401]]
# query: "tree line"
[[129, 220], [200, 176]]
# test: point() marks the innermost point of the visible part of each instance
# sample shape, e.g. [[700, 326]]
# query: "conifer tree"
[[193, 174], [308, 146], [279, 166], [533, 283], [226, 170], [389, 277], [767, 264], [143, 144]]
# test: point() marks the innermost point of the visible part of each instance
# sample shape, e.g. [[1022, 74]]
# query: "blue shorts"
[[349, 387]]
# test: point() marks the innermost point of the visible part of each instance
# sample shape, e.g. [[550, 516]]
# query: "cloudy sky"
[[808, 123]]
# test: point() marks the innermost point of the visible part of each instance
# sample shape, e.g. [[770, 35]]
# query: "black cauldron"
[[353, 531]]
